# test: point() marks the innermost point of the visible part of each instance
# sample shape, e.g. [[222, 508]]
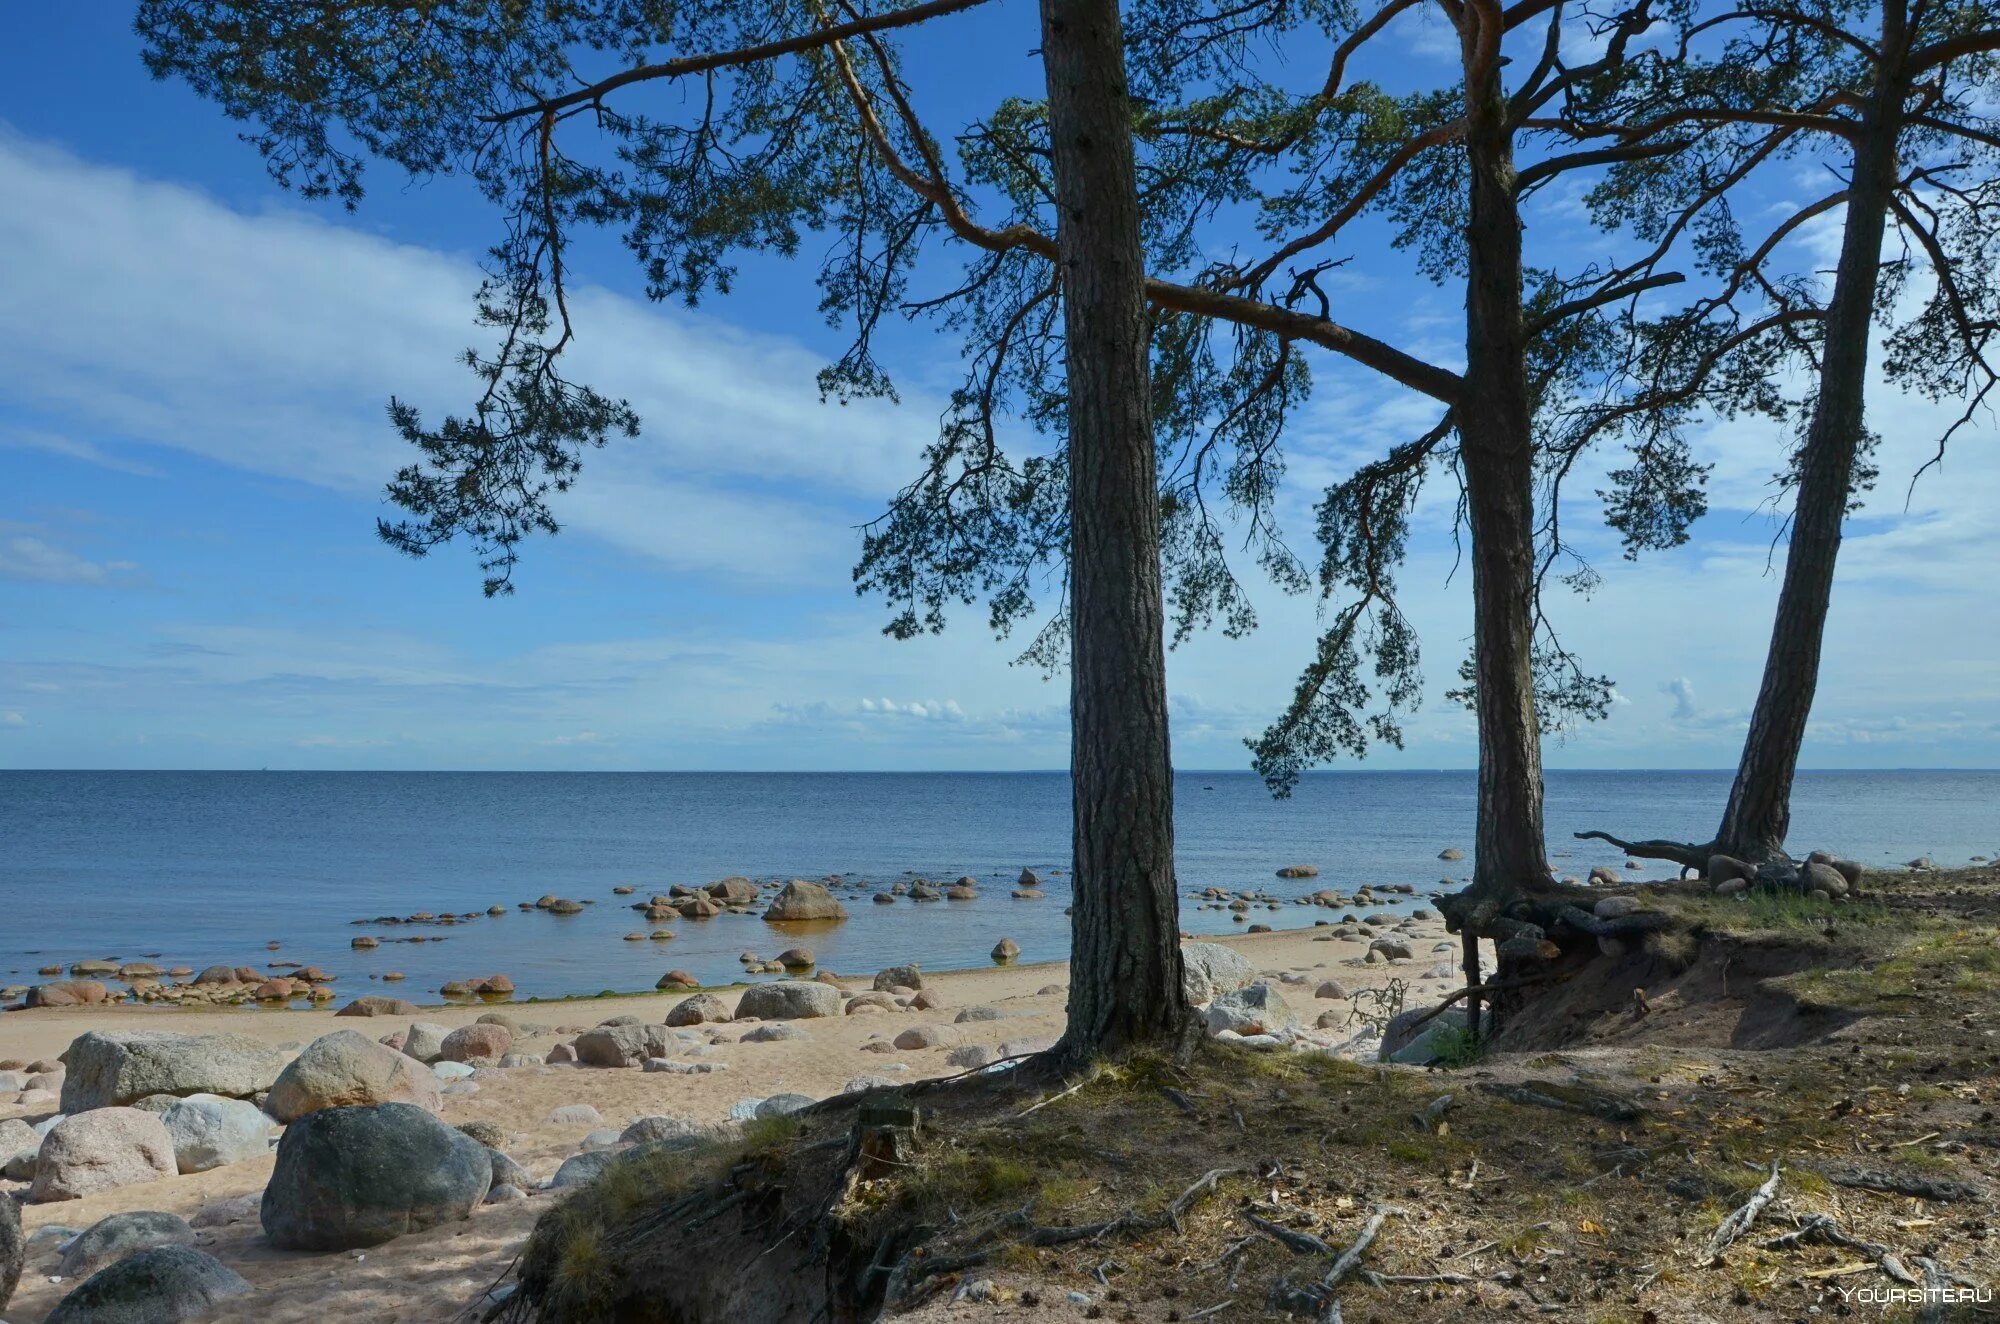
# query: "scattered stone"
[[969, 1057], [374, 1005], [677, 979], [582, 1168], [776, 1032], [899, 976], [211, 1131], [477, 1041], [221, 1213], [1451, 853], [800, 901], [926, 1036], [1332, 988], [980, 1013], [1616, 907], [700, 1008], [1252, 1010], [621, 1045], [348, 1069], [784, 1105], [161, 1285], [452, 1072], [505, 1193], [1299, 871], [119, 1235], [575, 1114], [1006, 950], [789, 999], [673, 1130], [486, 1133], [424, 1041], [1727, 868], [67, 993], [1028, 878]]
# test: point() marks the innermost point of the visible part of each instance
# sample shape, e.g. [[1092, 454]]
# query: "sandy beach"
[[434, 1275]]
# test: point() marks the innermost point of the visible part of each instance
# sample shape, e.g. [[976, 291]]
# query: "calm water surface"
[[201, 867]]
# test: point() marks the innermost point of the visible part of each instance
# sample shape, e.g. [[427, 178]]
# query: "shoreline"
[[433, 1275]]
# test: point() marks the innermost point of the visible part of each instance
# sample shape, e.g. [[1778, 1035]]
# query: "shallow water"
[[204, 867]]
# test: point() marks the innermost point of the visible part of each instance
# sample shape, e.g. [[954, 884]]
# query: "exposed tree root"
[[1821, 1229]]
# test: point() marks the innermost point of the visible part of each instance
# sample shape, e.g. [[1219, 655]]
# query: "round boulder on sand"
[[346, 1069], [353, 1177], [115, 1068], [101, 1150], [1209, 970], [120, 1235], [424, 1041], [210, 1131], [789, 1000], [801, 901], [472, 1042], [899, 976], [163, 1285], [698, 1009], [621, 1045]]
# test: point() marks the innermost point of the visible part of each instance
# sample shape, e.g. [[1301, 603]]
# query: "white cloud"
[[34, 560], [271, 342]]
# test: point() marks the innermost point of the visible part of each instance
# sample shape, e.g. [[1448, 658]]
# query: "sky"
[[193, 448]]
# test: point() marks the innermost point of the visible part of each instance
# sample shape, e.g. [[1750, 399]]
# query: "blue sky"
[[192, 449]]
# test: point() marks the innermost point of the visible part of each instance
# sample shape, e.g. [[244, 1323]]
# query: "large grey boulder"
[[101, 1150], [109, 1069], [1208, 970], [353, 1177], [789, 1000], [119, 1235], [347, 1069], [210, 1131], [164, 1285], [1253, 1009], [646, 1130], [1407, 1041], [622, 1045]]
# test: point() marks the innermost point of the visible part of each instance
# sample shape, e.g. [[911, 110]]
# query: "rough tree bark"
[[1497, 454], [1125, 962], [1759, 812]]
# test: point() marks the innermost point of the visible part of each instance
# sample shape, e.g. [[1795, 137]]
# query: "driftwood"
[[1688, 855], [1739, 1222]]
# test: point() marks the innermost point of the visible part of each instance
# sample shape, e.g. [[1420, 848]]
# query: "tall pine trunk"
[[1497, 453], [1759, 812], [1497, 458], [1125, 962]]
